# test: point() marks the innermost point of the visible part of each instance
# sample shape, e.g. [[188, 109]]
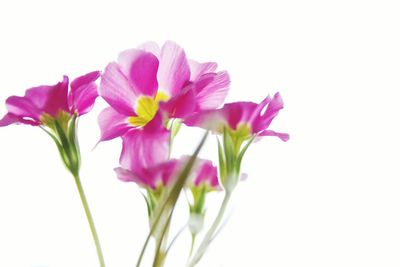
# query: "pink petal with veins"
[[174, 71], [140, 67], [112, 124], [83, 93]]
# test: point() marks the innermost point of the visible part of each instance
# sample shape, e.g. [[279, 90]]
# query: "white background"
[[328, 197]]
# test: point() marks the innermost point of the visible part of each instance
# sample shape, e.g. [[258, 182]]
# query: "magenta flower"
[[243, 118], [239, 124], [55, 110], [144, 160], [204, 173], [50, 101], [152, 177], [148, 79]]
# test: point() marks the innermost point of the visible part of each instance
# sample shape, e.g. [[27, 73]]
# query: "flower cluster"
[[151, 92]]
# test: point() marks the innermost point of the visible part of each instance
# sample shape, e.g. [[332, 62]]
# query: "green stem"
[[210, 234], [192, 247], [160, 254], [90, 220], [161, 245]]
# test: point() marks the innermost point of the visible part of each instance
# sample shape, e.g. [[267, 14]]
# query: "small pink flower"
[[243, 118], [144, 161], [153, 177], [45, 101], [203, 173], [148, 79]]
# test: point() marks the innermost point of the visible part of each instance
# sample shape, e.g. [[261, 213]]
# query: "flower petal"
[[143, 148], [169, 171], [207, 173], [212, 89], [197, 69], [151, 47], [128, 176], [22, 107], [10, 118], [141, 69], [83, 93], [181, 105], [283, 136], [264, 120], [117, 90], [213, 120], [112, 124], [174, 71], [49, 99]]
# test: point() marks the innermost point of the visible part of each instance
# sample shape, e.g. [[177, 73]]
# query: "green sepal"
[[175, 127], [241, 154], [199, 197], [229, 149], [222, 164]]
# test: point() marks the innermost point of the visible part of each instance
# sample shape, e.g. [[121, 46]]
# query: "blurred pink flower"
[[148, 79], [144, 162], [203, 173], [45, 101], [243, 118]]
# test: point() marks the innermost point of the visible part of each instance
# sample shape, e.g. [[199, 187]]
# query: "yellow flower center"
[[146, 108]]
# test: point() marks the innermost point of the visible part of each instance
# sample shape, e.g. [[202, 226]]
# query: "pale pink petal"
[[151, 47], [83, 93], [197, 69], [128, 176], [212, 89], [112, 124], [213, 120], [141, 69], [117, 90], [50, 99], [143, 149], [174, 72], [283, 136]]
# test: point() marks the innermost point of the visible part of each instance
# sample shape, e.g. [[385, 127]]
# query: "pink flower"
[[42, 102], [152, 177], [244, 119], [148, 79], [203, 173], [144, 160]]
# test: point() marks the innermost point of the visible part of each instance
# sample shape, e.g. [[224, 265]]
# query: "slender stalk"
[[161, 244], [210, 233], [90, 220], [192, 247], [160, 253]]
